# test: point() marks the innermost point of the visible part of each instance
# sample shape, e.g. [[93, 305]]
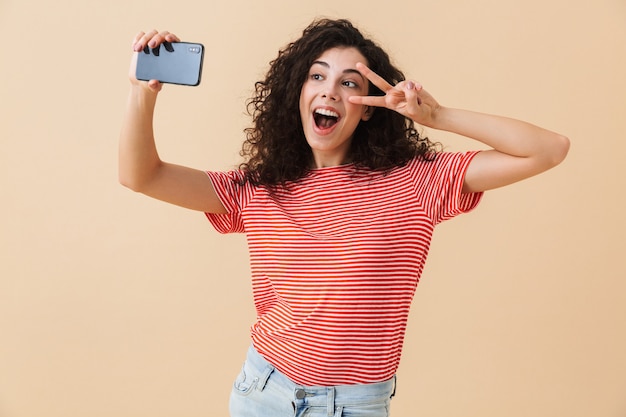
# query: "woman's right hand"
[[152, 39]]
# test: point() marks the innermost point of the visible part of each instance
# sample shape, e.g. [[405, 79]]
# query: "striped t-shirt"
[[335, 260]]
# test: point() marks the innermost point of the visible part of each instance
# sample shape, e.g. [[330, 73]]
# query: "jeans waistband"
[[332, 396]]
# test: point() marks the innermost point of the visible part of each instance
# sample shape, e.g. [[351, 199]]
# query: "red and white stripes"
[[335, 261]]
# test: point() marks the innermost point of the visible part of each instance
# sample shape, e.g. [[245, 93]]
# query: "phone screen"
[[172, 63]]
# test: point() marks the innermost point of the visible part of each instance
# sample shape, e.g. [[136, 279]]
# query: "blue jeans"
[[262, 391]]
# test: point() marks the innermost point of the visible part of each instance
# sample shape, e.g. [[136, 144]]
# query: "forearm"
[[509, 136], [519, 149], [138, 156]]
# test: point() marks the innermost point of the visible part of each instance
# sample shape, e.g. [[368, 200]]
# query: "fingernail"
[[410, 85], [152, 44]]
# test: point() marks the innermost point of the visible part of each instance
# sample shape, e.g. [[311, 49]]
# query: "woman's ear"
[[368, 111]]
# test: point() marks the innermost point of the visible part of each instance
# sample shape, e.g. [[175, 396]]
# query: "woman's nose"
[[330, 93]]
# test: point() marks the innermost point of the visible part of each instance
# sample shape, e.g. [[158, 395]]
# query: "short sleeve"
[[234, 193], [442, 186]]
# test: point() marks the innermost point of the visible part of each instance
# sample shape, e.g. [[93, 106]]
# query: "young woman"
[[338, 196]]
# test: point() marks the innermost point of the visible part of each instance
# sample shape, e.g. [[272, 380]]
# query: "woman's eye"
[[350, 84], [316, 77]]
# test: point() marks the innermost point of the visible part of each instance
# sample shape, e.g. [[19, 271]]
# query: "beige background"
[[112, 304]]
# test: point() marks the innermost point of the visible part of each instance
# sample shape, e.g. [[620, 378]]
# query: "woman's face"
[[328, 119]]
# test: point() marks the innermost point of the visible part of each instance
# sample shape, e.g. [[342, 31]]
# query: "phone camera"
[[194, 49]]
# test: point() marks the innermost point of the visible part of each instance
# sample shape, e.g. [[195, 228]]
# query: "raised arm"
[[519, 149], [140, 167]]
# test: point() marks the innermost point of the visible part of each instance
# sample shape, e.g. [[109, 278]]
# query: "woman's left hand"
[[519, 149], [407, 98]]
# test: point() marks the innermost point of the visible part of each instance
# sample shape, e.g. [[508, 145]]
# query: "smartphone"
[[172, 63]]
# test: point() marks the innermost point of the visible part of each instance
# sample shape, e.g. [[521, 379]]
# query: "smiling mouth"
[[325, 119]]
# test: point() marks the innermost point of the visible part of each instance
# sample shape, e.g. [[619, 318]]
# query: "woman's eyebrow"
[[322, 63], [346, 71]]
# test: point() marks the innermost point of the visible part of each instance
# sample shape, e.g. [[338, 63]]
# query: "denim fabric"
[[262, 391]]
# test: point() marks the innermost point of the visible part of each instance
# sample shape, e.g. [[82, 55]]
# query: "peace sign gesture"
[[407, 98]]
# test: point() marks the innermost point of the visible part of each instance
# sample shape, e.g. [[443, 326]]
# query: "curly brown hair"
[[276, 151]]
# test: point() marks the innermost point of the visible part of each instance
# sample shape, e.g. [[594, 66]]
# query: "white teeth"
[[328, 113]]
